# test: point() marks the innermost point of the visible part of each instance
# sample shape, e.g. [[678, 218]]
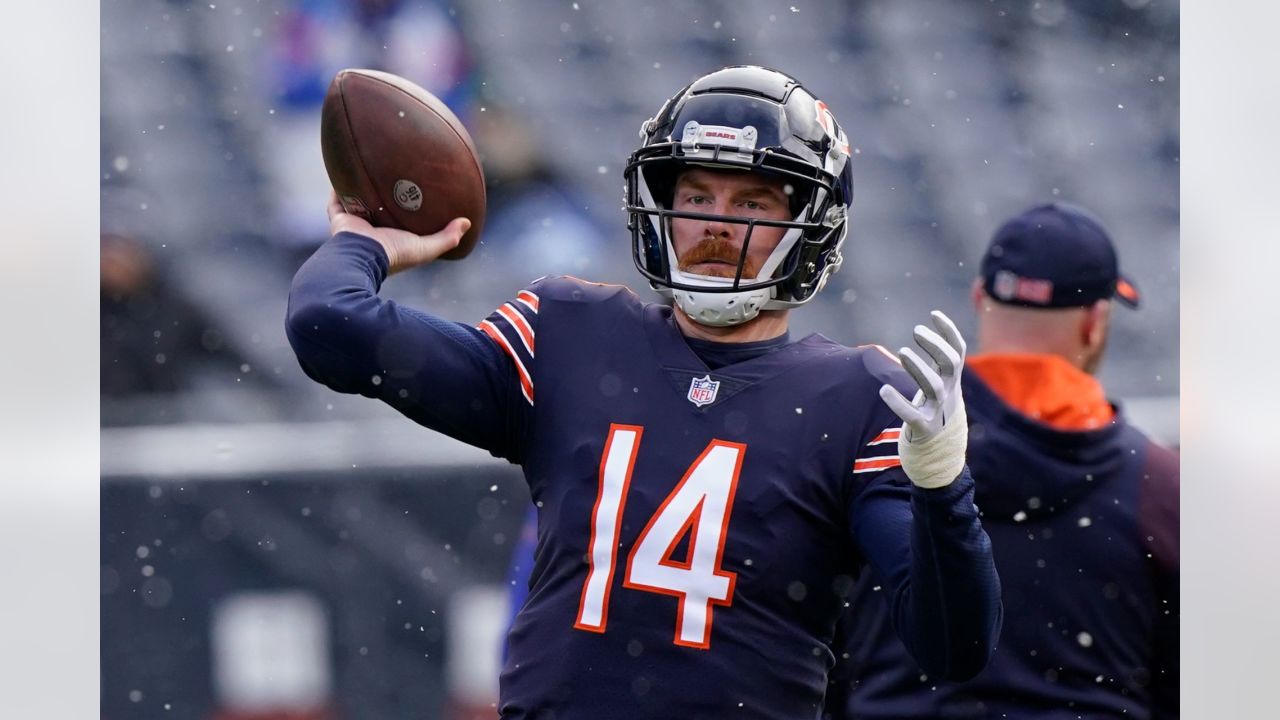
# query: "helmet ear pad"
[[651, 231], [801, 286], [662, 178]]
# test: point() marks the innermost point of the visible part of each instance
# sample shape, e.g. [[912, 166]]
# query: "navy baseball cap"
[[1054, 256]]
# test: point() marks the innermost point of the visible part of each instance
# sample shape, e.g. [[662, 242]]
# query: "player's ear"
[[1094, 325], [976, 294]]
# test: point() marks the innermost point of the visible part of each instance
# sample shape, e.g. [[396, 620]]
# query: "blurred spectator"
[[539, 222], [315, 39], [153, 340], [1081, 507], [418, 40], [521, 567]]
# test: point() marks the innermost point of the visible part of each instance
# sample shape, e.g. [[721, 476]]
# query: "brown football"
[[398, 157]]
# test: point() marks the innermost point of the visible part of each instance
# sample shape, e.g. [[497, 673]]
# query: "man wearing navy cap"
[[1082, 509]]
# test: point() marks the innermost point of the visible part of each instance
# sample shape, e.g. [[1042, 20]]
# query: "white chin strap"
[[722, 309]]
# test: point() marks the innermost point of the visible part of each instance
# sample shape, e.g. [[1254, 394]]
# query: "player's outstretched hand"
[[404, 249], [935, 433]]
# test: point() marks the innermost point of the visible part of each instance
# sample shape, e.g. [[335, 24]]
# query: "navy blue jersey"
[[1084, 525], [697, 529]]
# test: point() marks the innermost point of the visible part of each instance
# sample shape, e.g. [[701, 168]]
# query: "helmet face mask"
[[745, 119]]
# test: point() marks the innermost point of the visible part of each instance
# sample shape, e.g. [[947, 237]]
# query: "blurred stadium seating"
[[961, 113]]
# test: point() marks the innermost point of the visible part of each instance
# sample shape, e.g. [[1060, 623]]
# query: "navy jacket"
[[1084, 526]]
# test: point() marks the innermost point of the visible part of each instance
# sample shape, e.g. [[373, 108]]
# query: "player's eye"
[[755, 207]]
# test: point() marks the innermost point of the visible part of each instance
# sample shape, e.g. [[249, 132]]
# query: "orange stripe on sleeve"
[[528, 299], [888, 436], [878, 463], [521, 325], [526, 382], [883, 351]]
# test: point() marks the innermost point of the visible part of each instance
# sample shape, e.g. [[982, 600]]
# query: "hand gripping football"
[[398, 157]]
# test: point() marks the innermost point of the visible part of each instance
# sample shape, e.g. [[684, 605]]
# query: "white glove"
[[935, 433]]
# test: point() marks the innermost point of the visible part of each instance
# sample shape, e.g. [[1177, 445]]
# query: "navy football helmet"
[[743, 118]]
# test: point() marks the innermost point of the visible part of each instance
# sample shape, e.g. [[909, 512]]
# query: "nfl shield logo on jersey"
[[702, 391]]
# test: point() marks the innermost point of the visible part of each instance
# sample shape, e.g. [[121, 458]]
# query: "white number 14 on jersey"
[[699, 507]]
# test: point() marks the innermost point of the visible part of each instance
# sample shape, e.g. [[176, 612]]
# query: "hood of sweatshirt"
[[1026, 469]]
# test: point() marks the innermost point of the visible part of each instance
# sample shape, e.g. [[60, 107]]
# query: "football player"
[[706, 485]]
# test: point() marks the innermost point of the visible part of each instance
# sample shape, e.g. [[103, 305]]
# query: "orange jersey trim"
[[526, 382], [882, 350], [888, 436], [528, 299], [876, 463], [522, 326]]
